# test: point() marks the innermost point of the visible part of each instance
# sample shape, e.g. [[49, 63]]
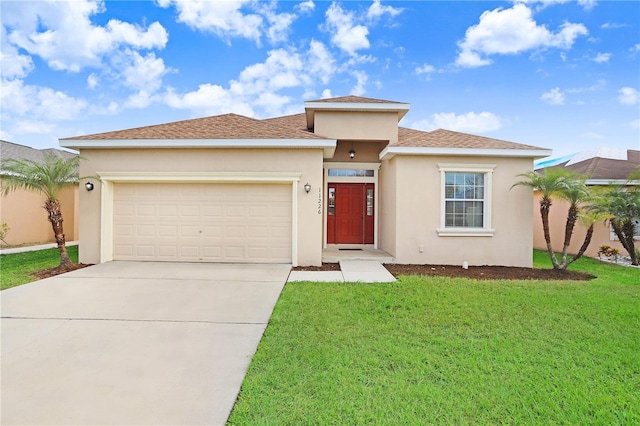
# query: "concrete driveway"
[[133, 343]]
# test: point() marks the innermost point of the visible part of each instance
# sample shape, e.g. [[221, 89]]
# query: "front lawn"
[[16, 268], [450, 350]]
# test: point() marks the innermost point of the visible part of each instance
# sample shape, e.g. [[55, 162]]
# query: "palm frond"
[[47, 177]]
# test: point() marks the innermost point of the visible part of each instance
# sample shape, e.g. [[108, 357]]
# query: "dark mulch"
[[46, 273], [474, 272], [324, 267], [488, 272]]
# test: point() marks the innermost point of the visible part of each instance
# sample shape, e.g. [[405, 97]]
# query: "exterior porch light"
[[307, 187], [352, 153], [89, 186]]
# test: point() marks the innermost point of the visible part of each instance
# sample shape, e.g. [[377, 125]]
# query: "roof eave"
[[391, 151], [327, 145]]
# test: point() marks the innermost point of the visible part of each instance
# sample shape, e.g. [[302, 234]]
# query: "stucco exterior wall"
[[23, 212], [356, 125], [419, 205], [557, 219], [366, 152], [307, 162], [387, 206]]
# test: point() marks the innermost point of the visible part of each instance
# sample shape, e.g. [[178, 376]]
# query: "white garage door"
[[202, 222]]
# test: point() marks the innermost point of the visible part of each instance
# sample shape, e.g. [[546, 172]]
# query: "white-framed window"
[[636, 234], [465, 205]]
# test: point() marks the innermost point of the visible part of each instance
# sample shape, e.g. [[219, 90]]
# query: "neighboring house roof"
[[597, 167], [10, 150]]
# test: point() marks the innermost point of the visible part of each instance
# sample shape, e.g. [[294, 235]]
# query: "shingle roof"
[[295, 121], [10, 150], [449, 139], [355, 100], [226, 126], [606, 168]]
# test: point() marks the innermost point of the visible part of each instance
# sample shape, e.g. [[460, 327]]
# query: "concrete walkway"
[[133, 343], [366, 271], [34, 248]]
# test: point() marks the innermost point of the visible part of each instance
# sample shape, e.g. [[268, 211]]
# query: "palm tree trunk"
[[585, 244], [545, 205], [622, 233], [572, 216], [55, 217]]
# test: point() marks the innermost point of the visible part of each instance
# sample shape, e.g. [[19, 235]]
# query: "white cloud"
[[223, 18], [635, 124], [541, 4], [361, 81], [210, 99], [63, 34], [636, 48], [346, 34], [93, 81], [554, 96], [304, 7], [33, 127], [141, 73], [376, 10], [612, 25], [425, 69], [601, 57], [470, 122], [628, 96], [326, 93], [258, 85], [511, 31], [320, 61], [36, 102]]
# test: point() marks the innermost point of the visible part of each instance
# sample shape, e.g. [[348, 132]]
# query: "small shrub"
[[4, 230]]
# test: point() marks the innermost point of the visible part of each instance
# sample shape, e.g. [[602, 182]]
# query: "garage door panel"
[[203, 222]]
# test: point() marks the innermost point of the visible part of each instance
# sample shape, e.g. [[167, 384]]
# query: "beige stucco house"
[[601, 167], [342, 174], [23, 210]]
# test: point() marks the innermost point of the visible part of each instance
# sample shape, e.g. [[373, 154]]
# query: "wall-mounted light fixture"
[[307, 187], [352, 153], [88, 186]]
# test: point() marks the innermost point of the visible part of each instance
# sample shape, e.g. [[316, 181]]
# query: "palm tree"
[[48, 178], [550, 183], [622, 206], [576, 193]]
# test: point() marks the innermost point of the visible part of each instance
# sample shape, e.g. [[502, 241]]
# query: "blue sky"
[[558, 74]]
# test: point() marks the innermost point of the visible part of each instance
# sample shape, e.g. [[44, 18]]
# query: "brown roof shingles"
[[226, 126], [606, 168], [449, 139], [355, 100]]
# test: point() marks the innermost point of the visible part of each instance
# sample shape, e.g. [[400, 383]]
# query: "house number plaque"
[[319, 200]]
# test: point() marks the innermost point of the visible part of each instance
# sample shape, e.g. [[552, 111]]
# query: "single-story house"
[[23, 210], [602, 167], [343, 174]]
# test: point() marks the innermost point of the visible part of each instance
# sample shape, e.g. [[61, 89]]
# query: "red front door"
[[350, 213]]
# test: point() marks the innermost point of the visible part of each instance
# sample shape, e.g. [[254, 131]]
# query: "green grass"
[[451, 351], [15, 269]]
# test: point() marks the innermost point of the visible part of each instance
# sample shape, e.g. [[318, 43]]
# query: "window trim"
[[486, 230]]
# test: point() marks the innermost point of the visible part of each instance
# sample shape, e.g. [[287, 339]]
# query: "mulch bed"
[[474, 272], [324, 267], [46, 273]]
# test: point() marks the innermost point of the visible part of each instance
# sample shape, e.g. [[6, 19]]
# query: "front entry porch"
[[334, 254]]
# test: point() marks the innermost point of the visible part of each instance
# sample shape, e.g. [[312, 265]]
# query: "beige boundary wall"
[[24, 213], [557, 219], [413, 235], [295, 166]]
